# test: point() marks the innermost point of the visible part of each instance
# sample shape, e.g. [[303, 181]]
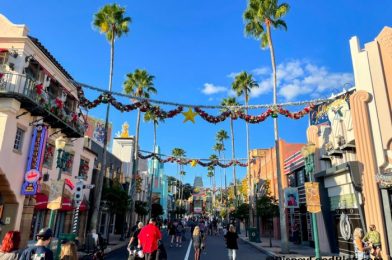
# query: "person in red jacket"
[[149, 237]]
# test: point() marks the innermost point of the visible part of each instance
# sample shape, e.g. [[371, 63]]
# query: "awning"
[[41, 203], [3, 50]]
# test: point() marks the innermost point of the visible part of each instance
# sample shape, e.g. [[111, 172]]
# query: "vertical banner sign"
[[291, 198], [31, 185], [312, 197], [55, 195]]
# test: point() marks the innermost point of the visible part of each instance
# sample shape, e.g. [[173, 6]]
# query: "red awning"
[[3, 50], [41, 202]]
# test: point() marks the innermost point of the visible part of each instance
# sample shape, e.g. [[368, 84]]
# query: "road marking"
[[188, 251]]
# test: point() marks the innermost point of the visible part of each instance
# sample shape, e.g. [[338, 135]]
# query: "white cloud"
[[296, 78], [261, 71], [210, 89], [232, 75]]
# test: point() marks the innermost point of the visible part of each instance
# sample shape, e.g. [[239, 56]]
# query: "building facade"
[[38, 105], [264, 168]]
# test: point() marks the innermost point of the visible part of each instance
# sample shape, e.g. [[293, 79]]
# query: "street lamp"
[[61, 163], [308, 154]]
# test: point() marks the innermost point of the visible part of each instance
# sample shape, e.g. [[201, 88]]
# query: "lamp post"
[[62, 158], [308, 154]]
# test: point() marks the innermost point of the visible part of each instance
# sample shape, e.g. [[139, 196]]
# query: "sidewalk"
[[296, 251], [114, 244]]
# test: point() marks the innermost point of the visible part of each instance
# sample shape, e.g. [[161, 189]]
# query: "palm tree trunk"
[[233, 157], [97, 202], [282, 213], [153, 167], [136, 160], [247, 156]]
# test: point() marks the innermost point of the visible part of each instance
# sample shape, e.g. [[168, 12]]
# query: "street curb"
[[261, 249]]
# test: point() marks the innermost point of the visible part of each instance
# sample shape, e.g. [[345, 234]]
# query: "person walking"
[[9, 249], [68, 251], [40, 250], [134, 241], [197, 238], [360, 249], [373, 237], [172, 233], [179, 231], [231, 242], [149, 237]]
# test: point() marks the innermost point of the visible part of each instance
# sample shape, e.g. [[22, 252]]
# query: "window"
[[83, 168], [49, 155], [18, 144], [69, 163]]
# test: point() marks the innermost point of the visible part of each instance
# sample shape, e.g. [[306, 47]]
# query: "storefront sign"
[[31, 185], [291, 198], [312, 194], [56, 194], [326, 112]]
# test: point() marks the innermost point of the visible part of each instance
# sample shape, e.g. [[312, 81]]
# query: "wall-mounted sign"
[[31, 185], [312, 194], [291, 198], [56, 194], [326, 112]]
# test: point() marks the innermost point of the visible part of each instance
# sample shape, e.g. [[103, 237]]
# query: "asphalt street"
[[215, 250]]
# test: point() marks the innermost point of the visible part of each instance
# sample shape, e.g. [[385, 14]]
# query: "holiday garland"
[[57, 108], [144, 105], [185, 161]]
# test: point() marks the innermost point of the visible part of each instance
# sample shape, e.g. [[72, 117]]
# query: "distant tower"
[[198, 182]]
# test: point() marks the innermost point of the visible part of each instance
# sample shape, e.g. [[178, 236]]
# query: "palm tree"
[[269, 13], [231, 102], [151, 116], [179, 154], [182, 174], [215, 158], [210, 173], [221, 136], [138, 84], [111, 22], [242, 85]]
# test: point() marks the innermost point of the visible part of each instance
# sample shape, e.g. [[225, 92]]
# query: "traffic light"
[[78, 196]]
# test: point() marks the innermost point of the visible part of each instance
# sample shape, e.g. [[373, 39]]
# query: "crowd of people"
[[146, 241]]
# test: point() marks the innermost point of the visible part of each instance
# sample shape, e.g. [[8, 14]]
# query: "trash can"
[[253, 235]]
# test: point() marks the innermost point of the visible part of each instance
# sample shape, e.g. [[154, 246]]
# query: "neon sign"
[[31, 185]]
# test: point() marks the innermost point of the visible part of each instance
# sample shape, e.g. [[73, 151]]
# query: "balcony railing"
[[36, 101]]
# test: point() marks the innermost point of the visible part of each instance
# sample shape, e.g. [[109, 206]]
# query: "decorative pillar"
[[368, 166]]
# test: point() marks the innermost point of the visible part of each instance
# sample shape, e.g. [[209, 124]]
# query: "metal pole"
[[52, 217], [314, 221], [76, 219]]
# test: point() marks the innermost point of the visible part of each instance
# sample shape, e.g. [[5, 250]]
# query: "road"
[[215, 250]]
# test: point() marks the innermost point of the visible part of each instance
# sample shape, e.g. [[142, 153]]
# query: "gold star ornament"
[[193, 163], [189, 115]]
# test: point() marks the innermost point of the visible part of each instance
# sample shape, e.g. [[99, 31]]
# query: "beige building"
[[372, 118], [38, 104]]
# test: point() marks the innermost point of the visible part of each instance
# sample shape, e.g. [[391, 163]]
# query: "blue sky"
[[194, 47]]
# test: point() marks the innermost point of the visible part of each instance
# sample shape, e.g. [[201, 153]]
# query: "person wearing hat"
[[40, 250]]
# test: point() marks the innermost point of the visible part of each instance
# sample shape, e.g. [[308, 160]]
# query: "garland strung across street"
[[194, 162], [145, 105]]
